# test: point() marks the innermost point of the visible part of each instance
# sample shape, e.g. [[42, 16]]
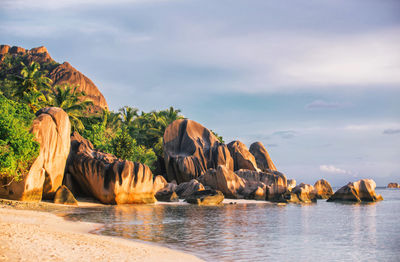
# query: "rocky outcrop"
[[65, 197], [187, 188], [66, 74], [393, 185], [302, 193], [164, 191], [360, 191], [107, 178], [274, 181], [263, 160], [159, 183], [291, 183], [242, 158], [52, 130], [323, 189], [59, 73], [208, 197], [190, 149], [224, 180]]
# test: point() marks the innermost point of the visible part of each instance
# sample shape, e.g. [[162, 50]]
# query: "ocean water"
[[262, 231]]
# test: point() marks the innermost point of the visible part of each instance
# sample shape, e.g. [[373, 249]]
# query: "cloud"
[[287, 134], [391, 131], [322, 104], [333, 170]]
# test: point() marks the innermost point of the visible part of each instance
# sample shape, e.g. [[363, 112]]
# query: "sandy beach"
[[27, 235]]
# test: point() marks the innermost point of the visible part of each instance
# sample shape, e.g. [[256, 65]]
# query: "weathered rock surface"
[[159, 183], [65, 197], [304, 193], [190, 149], [291, 183], [393, 185], [107, 178], [58, 73], [263, 160], [361, 191], [242, 157], [275, 182], [167, 196], [224, 180], [323, 189], [206, 197], [165, 193], [187, 188], [52, 130]]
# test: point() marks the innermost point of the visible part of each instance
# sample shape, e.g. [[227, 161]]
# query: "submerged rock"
[[393, 185], [361, 191], [262, 157], [206, 197], [190, 149], [52, 130], [242, 157], [323, 189], [107, 178], [64, 196]]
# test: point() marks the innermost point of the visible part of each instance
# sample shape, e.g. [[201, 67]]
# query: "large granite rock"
[[187, 188], [190, 149], [208, 197], [262, 157], [274, 181], [302, 193], [107, 178], [65, 197], [224, 180], [291, 183], [242, 158], [323, 189], [159, 183], [52, 130], [393, 185], [361, 191]]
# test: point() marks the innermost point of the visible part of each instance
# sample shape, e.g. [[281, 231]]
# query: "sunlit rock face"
[[393, 185], [52, 131], [323, 189], [208, 197], [303, 193], [361, 191], [107, 178], [291, 183], [190, 149], [263, 160], [242, 158]]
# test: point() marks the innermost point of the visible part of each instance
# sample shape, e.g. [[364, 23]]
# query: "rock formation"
[[107, 178], [58, 73], [190, 149], [393, 185], [65, 197], [52, 130], [360, 191], [301, 193], [291, 183], [187, 188], [159, 183], [262, 157], [242, 158], [206, 197], [323, 189]]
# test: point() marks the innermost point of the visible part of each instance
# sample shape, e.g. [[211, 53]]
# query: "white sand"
[[39, 236]]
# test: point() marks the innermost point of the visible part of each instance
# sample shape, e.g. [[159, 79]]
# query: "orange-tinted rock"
[[190, 149], [52, 130], [208, 197], [323, 189], [224, 180], [361, 191], [275, 182], [262, 157], [107, 178], [159, 183], [65, 197], [302, 193], [17, 50], [242, 158], [38, 50], [167, 193], [66, 74], [4, 49], [393, 185], [291, 183], [187, 188]]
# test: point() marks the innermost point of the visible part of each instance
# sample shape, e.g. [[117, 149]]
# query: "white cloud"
[[318, 104], [333, 170]]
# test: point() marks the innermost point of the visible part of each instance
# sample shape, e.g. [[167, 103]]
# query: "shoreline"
[[44, 236]]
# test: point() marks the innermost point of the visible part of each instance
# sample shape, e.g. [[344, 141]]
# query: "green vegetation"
[[18, 149]]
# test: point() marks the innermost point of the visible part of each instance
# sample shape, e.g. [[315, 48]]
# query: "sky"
[[316, 81]]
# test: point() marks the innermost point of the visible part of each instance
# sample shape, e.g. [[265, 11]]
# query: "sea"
[[259, 230]]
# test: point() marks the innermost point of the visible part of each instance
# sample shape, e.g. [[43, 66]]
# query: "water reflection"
[[260, 232]]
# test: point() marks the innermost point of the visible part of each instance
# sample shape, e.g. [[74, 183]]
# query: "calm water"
[[262, 231]]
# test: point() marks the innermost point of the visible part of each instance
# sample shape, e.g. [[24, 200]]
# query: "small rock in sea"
[[206, 197]]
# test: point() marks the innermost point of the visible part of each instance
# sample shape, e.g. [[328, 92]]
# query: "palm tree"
[[71, 101], [32, 80], [128, 114], [35, 100]]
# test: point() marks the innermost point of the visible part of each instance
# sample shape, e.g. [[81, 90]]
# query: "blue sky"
[[318, 82]]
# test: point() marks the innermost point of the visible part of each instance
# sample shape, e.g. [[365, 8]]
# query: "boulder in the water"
[[205, 197], [361, 191]]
